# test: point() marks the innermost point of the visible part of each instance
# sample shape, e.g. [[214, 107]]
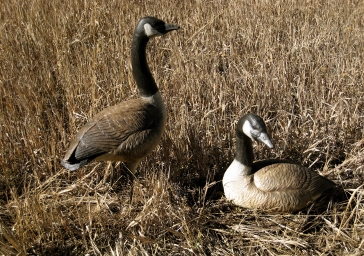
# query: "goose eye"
[[255, 133], [160, 27], [264, 138]]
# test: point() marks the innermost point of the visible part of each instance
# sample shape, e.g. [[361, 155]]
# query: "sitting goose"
[[278, 185], [128, 131]]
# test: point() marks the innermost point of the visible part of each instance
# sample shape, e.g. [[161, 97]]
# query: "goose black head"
[[254, 127], [152, 27]]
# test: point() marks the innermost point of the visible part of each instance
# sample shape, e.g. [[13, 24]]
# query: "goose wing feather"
[[115, 128], [286, 176], [257, 165]]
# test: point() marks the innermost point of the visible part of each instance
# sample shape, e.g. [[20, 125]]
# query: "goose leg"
[[131, 166], [109, 173]]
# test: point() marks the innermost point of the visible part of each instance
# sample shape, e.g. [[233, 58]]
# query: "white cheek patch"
[[247, 128], [150, 31]]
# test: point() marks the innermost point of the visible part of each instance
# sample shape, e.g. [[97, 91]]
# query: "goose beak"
[[264, 138], [269, 144], [170, 27]]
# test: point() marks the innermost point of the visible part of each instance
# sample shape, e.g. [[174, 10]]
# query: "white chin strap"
[[150, 31], [247, 127]]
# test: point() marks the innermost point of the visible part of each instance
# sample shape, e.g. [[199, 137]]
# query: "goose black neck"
[[244, 149], [141, 71]]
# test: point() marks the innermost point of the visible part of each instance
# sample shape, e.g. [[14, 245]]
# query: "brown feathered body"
[[281, 187], [125, 132]]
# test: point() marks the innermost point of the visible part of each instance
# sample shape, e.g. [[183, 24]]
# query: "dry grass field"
[[298, 64]]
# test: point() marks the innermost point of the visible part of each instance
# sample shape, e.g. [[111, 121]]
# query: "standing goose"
[[128, 131], [270, 185]]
